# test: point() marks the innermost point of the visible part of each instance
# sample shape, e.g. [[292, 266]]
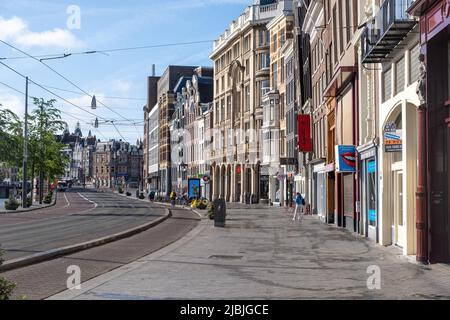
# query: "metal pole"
[[25, 150]]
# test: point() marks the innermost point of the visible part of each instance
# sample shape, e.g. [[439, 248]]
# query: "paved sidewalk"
[[263, 254]]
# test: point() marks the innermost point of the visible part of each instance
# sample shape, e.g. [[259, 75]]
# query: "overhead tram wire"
[[65, 78], [104, 97], [58, 96], [138, 122], [66, 55], [63, 112]]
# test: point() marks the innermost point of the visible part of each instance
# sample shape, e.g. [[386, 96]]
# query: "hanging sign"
[[393, 141], [304, 133], [346, 159]]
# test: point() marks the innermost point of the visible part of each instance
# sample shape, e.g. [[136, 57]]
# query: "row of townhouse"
[[376, 94], [343, 101], [102, 164]]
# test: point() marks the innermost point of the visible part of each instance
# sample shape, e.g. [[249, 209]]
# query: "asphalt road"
[[78, 216], [42, 280]]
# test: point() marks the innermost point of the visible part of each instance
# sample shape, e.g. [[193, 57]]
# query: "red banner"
[[304, 133]]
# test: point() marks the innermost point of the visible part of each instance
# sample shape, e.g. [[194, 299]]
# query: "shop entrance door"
[[398, 221]]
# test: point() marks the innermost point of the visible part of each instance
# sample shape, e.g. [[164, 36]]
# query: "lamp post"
[[25, 150]]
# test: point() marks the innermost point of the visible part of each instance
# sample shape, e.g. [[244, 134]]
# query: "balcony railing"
[[386, 31]]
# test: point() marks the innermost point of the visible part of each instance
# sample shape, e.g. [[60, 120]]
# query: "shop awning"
[[419, 7], [340, 79]]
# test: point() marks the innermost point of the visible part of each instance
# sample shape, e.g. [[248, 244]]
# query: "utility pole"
[[25, 150]]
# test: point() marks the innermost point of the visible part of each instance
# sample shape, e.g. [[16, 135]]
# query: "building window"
[[275, 76], [335, 31], [282, 70], [275, 43], [247, 67], [264, 61], [247, 98], [265, 87], [414, 64], [400, 75], [387, 85], [228, 108]]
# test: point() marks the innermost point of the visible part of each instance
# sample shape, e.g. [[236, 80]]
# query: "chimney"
[[153, 70]]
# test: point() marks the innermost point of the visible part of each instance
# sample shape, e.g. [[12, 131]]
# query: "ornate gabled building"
[[241, 77], [166, 103], [194, 96], [273, 130]]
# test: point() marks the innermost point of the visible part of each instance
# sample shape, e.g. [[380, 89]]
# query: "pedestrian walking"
[[173, 198], [299, 203]]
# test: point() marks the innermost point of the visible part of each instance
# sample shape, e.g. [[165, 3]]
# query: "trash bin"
[[220, 212]]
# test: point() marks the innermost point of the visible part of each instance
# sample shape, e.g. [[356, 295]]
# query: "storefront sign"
[[392, 138], [346, 159], [304, 133]]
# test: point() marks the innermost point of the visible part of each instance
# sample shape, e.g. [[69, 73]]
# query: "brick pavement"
[[48, 278], [262, 254]]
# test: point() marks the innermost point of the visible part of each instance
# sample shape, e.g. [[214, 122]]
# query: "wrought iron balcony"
[[386, 30]]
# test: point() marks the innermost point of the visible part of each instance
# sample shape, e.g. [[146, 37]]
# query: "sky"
[[41, 27]]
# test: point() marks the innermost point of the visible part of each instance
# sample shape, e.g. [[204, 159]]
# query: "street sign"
[[393, 141]]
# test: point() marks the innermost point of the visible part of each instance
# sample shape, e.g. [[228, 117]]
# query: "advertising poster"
[[194, 188], [345, 158]]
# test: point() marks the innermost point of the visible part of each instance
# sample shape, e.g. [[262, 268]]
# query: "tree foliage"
[[10, 137]]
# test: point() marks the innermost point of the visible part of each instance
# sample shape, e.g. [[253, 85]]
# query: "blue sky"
[[40, 27]]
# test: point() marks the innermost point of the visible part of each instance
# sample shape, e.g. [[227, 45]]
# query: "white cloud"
[[17, 31], [13, 103], [121, 86]]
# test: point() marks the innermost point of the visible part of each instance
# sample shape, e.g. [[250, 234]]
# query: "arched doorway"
[[238, 183], [222, 182], [228, 184], [399, 180]]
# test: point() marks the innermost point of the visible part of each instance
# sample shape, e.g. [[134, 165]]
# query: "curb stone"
[[30, 209], [58, 252]]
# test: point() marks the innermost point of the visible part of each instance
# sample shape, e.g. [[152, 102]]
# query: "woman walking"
[[299, 203]]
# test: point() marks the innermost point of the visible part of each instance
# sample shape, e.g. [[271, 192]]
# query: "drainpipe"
[[421, 194]]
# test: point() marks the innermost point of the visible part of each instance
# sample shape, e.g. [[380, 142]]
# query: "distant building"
[[151, 136], [166, 102], [194, 99]]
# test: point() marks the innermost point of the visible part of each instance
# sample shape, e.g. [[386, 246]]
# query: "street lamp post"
[[25, 150]]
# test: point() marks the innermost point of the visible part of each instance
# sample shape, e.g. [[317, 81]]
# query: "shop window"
[[371, 193]]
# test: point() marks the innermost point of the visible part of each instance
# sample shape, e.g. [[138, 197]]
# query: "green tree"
[[11, 141], [45, 154]]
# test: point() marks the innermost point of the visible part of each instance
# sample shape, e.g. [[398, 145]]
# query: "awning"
[[341, 78], [419, 7]]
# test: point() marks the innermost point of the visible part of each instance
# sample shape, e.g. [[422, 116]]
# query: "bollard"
[[220, 212]]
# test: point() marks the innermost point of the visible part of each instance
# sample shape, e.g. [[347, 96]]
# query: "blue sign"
[[372, 216], [345, 159], [371, 167], [194, 188]]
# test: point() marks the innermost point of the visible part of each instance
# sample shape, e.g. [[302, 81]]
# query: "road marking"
[[67, 200], [95, 204]]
